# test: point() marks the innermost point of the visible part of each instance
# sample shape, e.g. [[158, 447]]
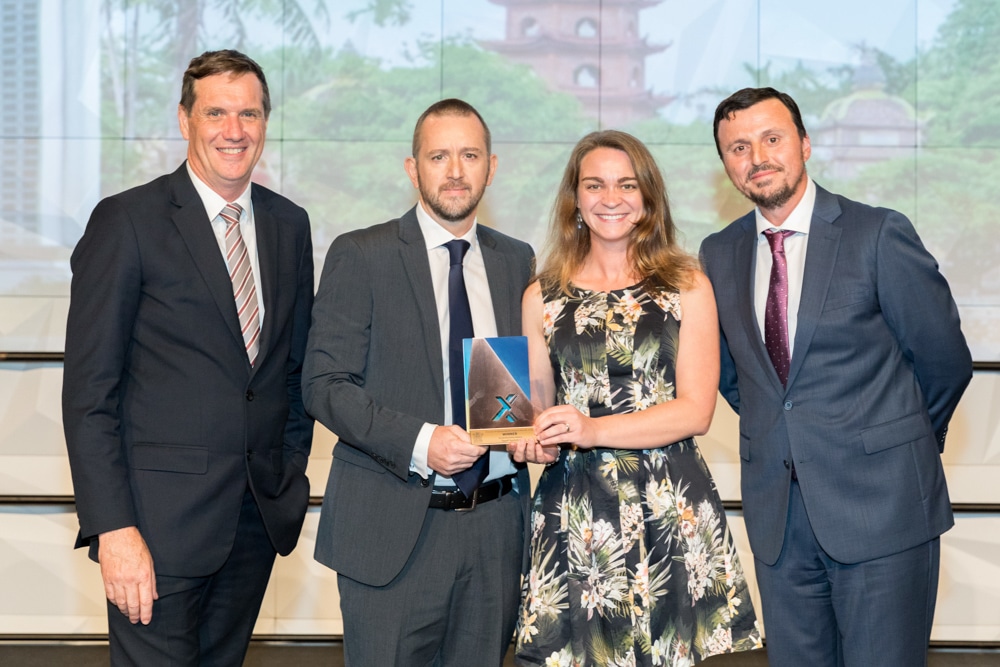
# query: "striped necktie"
[[241, 273]]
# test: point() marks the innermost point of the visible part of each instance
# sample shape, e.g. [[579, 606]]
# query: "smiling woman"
[[608, 196], [628, 525]]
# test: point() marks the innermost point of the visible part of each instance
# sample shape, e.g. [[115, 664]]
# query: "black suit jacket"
[[166, 422], [373, 376]]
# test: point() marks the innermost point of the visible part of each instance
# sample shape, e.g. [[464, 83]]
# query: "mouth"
[[763, 171], [232, 151], [611, 217]]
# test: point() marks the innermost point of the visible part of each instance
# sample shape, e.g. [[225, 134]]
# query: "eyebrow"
[[598, 178], [467, 149]]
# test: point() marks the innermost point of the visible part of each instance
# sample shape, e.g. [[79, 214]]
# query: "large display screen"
[[899, 98]]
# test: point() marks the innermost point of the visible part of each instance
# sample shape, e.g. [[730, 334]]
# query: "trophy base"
[[500, 436]]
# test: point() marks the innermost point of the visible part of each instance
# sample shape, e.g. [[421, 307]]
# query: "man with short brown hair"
[[428, 560], [182, 400]]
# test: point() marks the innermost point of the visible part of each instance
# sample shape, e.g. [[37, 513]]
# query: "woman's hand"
[[528, 450], [564, 424]]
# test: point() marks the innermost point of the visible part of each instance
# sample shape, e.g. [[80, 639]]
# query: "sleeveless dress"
[[632, 562]]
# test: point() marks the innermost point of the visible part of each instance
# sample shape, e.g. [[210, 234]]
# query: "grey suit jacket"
[[878, 367], [166, 422], [373, 376]]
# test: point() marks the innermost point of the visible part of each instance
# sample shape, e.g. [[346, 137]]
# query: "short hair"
[[746, 98], [653, 250], [449, 107], [226, 61]]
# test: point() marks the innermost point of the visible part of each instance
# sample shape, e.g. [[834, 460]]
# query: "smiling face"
[[452, 169], [225, 131], [607, 194], [765, 157]]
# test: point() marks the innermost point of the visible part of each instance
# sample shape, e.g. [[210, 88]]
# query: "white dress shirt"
[[483, 324], [798, 221], [214, 204]]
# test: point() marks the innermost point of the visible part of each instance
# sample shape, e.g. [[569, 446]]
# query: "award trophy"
[[498, 406]]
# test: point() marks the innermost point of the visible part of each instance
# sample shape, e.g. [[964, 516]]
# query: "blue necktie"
[[460, 315]]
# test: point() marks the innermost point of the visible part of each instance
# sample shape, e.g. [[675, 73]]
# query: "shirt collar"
[[214, 203], [800, 219], [435, 235]]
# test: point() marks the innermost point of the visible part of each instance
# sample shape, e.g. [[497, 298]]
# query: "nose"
[[611, 197], [758, 153], [454, 169], [232, 128]]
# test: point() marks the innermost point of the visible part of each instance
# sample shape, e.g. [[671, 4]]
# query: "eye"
[[629, 187], [772, 140]]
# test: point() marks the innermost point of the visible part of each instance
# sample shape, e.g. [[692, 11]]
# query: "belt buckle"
[[475, 499]]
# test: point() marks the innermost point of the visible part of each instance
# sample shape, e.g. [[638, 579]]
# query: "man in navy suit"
[[182, 401], [842, 354]]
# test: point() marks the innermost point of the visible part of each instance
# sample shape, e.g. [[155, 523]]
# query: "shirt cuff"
[[418, 461]]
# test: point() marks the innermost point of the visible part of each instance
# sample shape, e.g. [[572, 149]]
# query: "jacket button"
[[250, 457], [787, 405], [425, 483], [787, 465], [249, 394]]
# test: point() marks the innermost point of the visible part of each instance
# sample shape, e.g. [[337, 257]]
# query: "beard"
[[776, 198], [452, 210]]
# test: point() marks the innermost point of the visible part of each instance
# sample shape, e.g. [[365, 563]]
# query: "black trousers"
[[202, 621]]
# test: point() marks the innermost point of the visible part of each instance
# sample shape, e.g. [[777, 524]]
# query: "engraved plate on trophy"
[[498, 406]]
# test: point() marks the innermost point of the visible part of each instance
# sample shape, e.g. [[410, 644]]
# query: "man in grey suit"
[[182, 400], [428, 574], [842, 354]]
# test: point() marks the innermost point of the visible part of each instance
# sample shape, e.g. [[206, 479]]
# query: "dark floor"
[[329, 654]]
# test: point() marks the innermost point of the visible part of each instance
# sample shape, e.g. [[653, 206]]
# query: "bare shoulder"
[[696, 282]]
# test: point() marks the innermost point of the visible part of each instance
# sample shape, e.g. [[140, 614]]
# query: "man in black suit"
[[182, 404], [428, 573]]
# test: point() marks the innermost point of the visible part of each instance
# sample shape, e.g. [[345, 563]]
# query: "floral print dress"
[[632, 562]]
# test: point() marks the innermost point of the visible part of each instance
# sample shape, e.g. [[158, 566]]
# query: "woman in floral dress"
[[632, 562]]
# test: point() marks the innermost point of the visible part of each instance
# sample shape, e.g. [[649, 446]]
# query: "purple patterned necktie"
[[776, 308]]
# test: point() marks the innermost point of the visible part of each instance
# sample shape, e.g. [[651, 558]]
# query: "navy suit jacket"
[[878, 367], [166, 422], [373, 376]]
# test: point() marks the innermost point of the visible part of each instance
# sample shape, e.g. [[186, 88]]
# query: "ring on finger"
[[566, 424]]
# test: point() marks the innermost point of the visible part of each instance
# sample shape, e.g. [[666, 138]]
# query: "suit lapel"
[[193, 224], [821, 256], [266, 229], [413, 254], [745, 266], [497, 275]]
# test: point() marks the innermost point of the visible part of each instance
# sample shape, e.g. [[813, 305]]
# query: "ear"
[[182, 121], [410, 165], [493, 168], [806, 148]]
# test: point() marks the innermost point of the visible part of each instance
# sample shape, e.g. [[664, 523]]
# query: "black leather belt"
[[453, 499]]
